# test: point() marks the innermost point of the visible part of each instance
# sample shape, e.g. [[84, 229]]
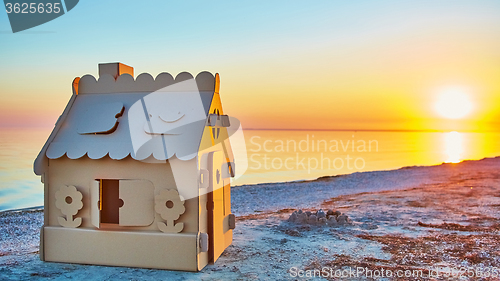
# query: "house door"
[[215, 206], [122, 202]]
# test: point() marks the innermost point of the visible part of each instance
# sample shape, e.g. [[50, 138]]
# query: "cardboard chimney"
[[136, 172]]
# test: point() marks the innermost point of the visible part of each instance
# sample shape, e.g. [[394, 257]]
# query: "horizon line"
[[376, 130]]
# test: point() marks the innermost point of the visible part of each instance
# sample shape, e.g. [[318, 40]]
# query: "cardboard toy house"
[[136, 172]]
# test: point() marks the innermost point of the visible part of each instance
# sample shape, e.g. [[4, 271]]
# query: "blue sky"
[[262, 49]]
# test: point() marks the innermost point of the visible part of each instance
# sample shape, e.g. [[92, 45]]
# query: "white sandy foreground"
[[420, 219]]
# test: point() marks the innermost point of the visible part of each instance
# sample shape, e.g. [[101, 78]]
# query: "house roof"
[[145, 118]]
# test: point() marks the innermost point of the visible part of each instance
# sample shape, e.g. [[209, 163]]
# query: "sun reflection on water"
[[453, 147]]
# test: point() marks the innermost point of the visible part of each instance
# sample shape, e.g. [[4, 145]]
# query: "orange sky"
[[303, 66]]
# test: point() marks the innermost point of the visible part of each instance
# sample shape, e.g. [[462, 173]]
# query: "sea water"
[[272, 156]]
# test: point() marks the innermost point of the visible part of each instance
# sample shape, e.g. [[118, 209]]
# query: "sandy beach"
[[437, 222]]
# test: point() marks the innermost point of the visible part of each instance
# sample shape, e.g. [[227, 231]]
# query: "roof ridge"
[[144, 82]]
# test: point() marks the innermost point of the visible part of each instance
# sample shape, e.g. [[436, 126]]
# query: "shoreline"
[[326, 178], [281, 195]]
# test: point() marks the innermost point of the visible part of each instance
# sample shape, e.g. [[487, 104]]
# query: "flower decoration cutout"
[[170, 205], [69, 201]]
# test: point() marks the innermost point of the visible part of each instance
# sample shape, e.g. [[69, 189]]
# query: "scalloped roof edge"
[[150, 157], [145, 82]]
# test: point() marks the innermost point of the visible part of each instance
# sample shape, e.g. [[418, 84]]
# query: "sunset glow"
[[453, 103], [379, 65]]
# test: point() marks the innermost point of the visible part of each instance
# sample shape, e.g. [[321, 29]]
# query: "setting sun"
[[453, 103]]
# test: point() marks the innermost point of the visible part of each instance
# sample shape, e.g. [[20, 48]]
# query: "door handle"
[[204, 178]]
